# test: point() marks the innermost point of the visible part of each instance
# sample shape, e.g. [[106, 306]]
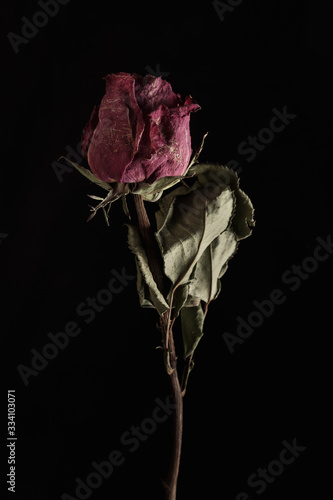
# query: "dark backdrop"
[[242, 64]]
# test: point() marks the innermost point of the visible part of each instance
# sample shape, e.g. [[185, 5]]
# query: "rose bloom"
[[139, 132]]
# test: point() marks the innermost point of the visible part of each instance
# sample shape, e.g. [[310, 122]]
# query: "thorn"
[[183, 182]]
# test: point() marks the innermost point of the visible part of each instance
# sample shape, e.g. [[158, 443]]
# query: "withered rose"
[[139, 132]]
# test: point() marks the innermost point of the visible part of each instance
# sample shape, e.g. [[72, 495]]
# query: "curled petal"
[[171, 131], [152, 91]]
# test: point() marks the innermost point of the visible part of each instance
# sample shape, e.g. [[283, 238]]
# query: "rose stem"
[[149, 241], [150, 244], [171, 481]]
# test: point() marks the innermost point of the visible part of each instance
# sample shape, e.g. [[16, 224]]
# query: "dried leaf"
[[88, 174], [145, 281], [192, 320]]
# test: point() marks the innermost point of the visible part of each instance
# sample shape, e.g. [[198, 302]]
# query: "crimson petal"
[[116, 138]]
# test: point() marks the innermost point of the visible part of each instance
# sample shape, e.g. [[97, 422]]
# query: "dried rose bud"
[[140, 132]]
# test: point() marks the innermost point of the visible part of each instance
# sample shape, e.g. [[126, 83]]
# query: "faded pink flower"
[[139, 132]]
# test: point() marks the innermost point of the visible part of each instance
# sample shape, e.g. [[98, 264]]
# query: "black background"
[[239, 407]]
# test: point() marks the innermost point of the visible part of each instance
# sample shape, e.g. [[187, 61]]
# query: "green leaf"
[[153, 192], [118, 190], [198, 231], [152, 197], [88, 174], [198, 228], [145, 299], [205, 282], [149, 294], [186, 373], [243, 219], [165, 203], [191, 224], [180, 298], [125, 206], [214, 173], [192, 320], [149, 190]]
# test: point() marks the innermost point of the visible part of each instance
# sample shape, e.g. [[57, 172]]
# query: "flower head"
[[140, 132]]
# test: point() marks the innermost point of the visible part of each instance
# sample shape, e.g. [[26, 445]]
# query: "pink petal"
[[152, 91], [116, 138], [88, 131], [171, 142]]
